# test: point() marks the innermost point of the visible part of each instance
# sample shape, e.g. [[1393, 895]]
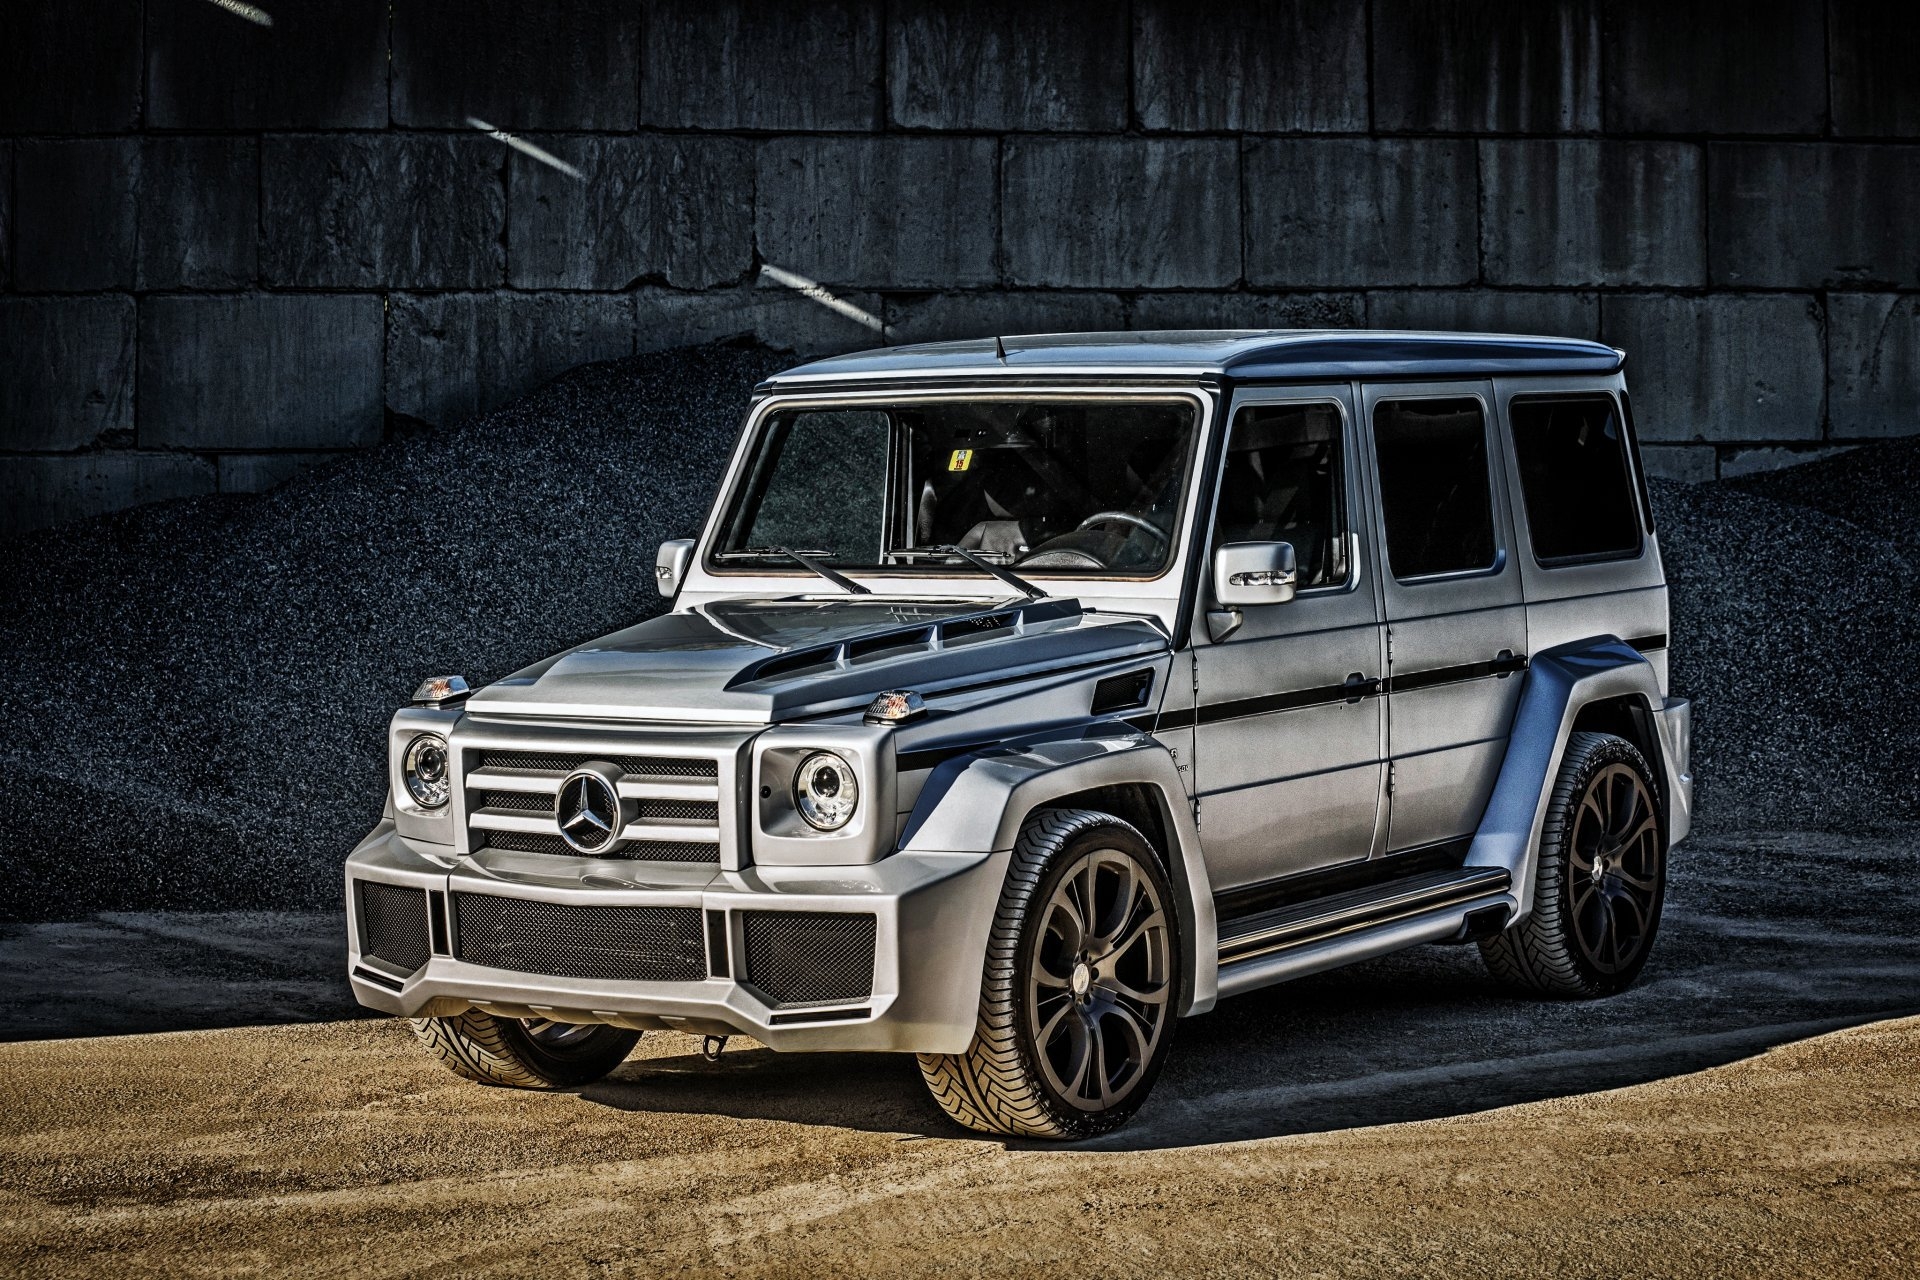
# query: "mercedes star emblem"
[[588, 810]]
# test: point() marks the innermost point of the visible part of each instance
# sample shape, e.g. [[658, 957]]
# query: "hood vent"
[[899, 641]]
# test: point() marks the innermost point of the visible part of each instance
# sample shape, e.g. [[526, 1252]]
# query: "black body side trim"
[[1251, 899], [1646, 644]]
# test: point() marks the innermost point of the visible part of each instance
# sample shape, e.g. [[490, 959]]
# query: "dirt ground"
[[1751, 1109]]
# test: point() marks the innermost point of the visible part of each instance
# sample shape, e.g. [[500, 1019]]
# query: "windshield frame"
[[1202, 400]]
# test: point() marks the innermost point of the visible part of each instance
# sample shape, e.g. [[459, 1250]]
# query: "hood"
[[763, 661]]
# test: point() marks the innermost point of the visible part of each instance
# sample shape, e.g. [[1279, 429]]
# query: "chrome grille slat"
[[632, 765], [640, 851]]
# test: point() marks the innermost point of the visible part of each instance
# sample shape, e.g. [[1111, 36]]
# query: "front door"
[[1288, 727], [1456, 619]]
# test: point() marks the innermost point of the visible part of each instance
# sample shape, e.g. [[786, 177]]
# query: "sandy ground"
[[1751, 1109]]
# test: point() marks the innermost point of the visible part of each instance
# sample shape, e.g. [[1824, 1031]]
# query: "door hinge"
[[1389, 777]]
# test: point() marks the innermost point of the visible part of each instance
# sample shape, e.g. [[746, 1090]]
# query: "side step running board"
[[1374, 906]]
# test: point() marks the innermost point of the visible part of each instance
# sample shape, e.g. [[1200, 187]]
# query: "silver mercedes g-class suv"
[[1023, 696]]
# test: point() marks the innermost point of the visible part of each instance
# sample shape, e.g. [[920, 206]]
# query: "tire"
[[524, 1055], [1600, 883], [1058, 1003]]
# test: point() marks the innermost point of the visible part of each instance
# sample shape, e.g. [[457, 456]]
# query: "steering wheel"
[[1141, 523]]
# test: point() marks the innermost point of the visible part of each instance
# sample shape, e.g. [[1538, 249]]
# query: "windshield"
[[1063, 487]]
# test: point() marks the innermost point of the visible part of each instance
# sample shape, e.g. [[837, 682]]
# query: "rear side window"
[[1576, 479], [1435, 495]]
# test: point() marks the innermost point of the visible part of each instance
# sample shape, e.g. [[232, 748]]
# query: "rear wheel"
[[1601, 880], [1077, 1002], [531, 1054]]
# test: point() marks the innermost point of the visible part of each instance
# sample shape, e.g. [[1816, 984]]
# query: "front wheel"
[[1082, 976], [531, 1054], [1601, 881]]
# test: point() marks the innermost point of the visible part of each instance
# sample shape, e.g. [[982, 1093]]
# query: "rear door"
[[1288, 734], [1455, 611]]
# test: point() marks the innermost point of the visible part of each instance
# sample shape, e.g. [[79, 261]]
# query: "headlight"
[[825, 791], [424, 767]]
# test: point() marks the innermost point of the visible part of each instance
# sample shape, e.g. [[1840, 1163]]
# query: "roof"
[[1243, 353]]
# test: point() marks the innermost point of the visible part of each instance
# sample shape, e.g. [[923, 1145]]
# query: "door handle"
[[1506, 662], [1358, 686]]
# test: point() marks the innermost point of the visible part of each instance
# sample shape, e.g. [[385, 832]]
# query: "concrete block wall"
[[229, 249]]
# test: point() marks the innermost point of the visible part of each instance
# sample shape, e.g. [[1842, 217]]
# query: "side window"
[[1284, 481], [1575, 477], [1435, 494]]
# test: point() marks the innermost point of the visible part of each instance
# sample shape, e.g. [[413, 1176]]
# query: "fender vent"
[[393, 924], [1123, 693], [809, 957]]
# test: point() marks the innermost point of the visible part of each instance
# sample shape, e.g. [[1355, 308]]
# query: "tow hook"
[[712, 1047]]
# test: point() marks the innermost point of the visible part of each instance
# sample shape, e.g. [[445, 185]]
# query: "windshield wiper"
[[1013, 580], [805, 561]]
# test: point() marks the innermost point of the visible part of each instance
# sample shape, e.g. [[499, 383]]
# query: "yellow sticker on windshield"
[[961, 460]]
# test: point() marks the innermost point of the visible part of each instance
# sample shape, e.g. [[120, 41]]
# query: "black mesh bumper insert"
[[393, 924], [809, 957], [628, 944]]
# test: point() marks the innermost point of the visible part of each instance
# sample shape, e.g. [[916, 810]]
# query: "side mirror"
[[670, 566], [1250, 573]]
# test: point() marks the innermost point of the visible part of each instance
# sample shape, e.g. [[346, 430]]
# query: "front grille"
[[628, 944], [632, 851], [393, 924], [518, 801], [809, 957], [639, 766]]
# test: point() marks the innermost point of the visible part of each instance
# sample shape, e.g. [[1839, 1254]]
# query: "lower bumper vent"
[[809, 957], [393, 924], [626, 944]]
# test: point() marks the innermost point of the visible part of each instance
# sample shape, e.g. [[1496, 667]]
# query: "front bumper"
[[931, 913]]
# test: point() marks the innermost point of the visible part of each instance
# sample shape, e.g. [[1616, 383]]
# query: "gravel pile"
[[195, 695]]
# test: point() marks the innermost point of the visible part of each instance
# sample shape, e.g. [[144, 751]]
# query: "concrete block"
[[451, 356], [1354, 212], [1557, 314], [1486, 66], [1715, 66], [1592, 213], [199, 213], [260, 371], [321, 65], [901, 212], [70, 67], [1872, 55], [1873, 365], [1007, 65], [770, 313], [372, 211], [952, 316], [734, 64], [69, 371], [36, 492], [1292, 66], [1804, 215], [6, 212], [74, 214], [567, 64], [1687, 463], [677, 209], [1747, 462], [1238, 310], [1134, 213], [1721, 368], [258, 472]]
